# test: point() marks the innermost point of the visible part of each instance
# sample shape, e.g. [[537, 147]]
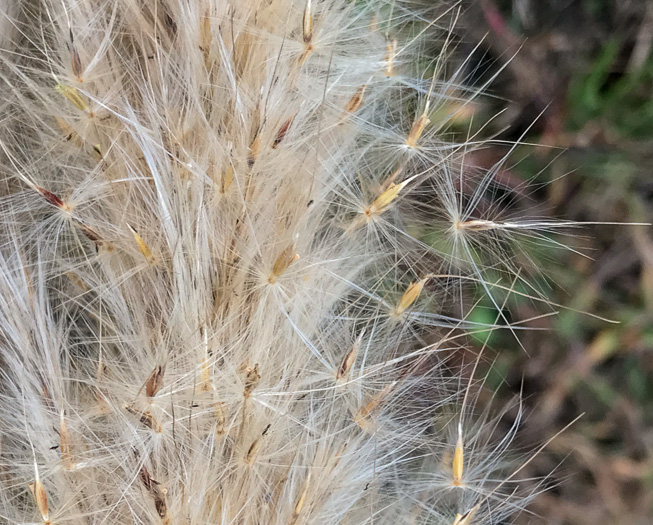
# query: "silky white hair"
[[215, 303]]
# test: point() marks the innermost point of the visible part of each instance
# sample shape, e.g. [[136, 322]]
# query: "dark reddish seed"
[[282, 132], [51, 197]]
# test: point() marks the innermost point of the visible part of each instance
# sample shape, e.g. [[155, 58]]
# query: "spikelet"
[[211, 305]]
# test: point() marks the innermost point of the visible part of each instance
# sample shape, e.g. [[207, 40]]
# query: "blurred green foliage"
[[621, 102]]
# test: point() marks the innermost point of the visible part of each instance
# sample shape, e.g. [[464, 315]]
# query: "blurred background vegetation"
[[577, 84]]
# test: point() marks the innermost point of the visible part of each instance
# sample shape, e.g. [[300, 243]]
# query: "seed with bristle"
[[161, 506], [390, 53], [416, 130], [158, 495], [466, 519], [170, 23], [146, 418], [349, 360], [389, 192], [283, 130], [218, 412], [255, 446], [355, 101], [41, 498], [283, 261], [410, 296], [307, 33], [155, 381], [142, 246], [307, 23], [252, 378], [76, 62], [458, 462], [252, 450], [68, 131], [254, 150], [146, 479], [301, 501], [97, 152], [385, 199], [89, 232], [372, 405], [475, 225], [53, 199], [73, 96]]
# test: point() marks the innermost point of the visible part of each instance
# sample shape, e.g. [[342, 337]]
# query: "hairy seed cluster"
[[215, 303]]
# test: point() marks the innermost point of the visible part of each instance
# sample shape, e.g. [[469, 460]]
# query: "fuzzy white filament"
[[211, 306]]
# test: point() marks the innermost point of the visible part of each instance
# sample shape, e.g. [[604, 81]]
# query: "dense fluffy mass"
[[214, 305]]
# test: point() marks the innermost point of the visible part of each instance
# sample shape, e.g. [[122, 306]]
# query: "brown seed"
[[416, 130], [365, 411], [53, 199], [97, 152], [160, 505], [41, 498], [467, 517], [155, 381], [282, 262], [76, 63], [89, 232], [281, 134], [158, 495], [254, 150], [145, 477], [146, 418], [390, 53], [251, 380], [307, 23], [218, 412], [355, 101], [349, 360], [69, 132], [252, 450]]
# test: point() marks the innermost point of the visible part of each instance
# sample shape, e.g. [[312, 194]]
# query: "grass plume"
[[212, 309]]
